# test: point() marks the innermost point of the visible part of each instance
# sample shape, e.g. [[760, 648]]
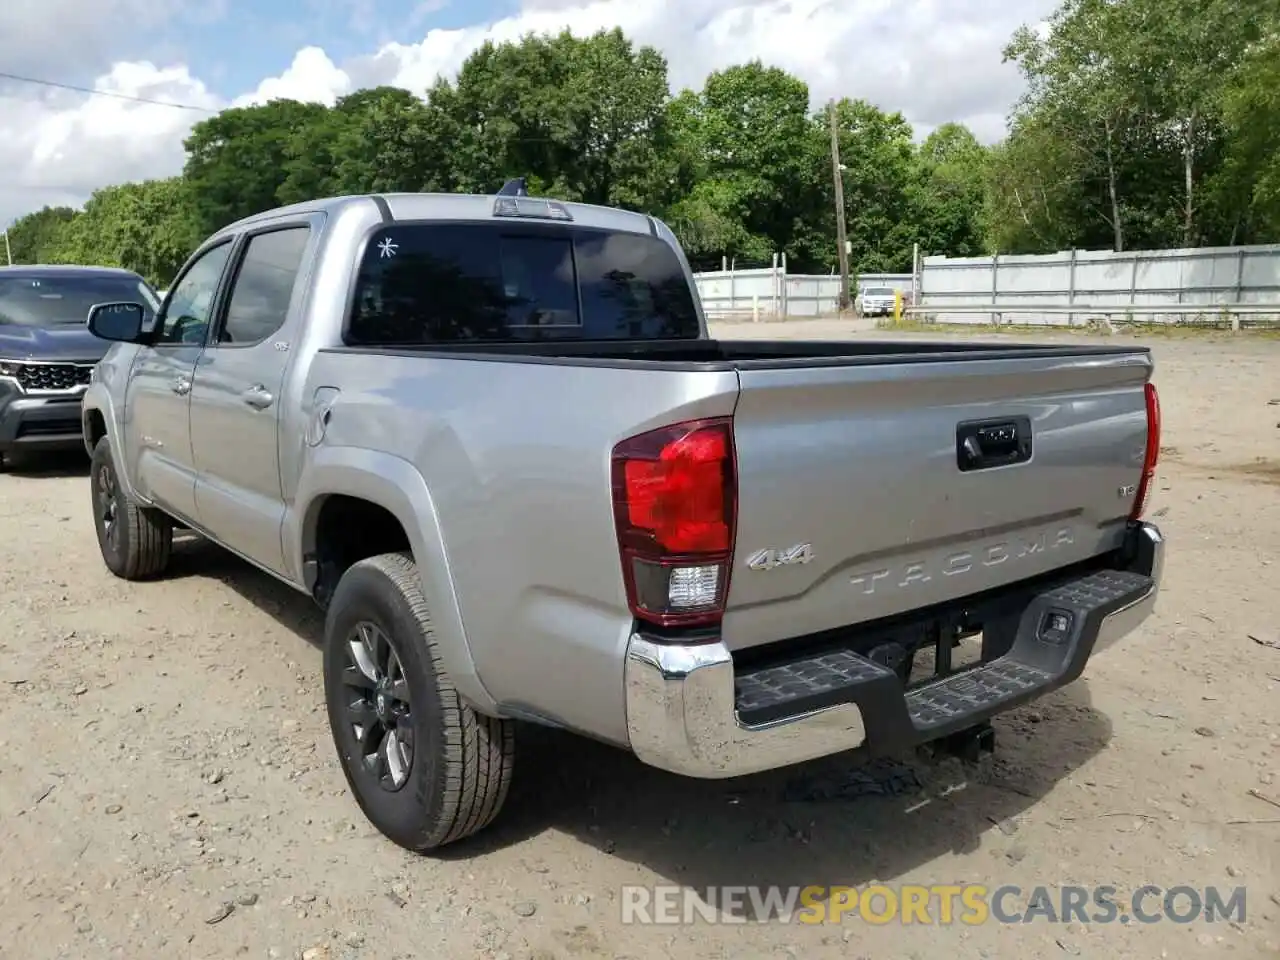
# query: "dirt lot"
[[164, 758]]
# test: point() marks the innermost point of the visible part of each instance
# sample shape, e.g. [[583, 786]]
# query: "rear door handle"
[[258, 397], [181, 386]]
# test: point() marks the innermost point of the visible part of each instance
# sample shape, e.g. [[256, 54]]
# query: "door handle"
[[983, 444], [258, 397], [181, 385]]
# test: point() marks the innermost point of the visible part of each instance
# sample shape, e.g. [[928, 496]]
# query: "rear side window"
[[498, 282]]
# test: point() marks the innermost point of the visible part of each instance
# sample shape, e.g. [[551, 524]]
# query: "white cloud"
[[933, 60], [311, 76], [59, 147]]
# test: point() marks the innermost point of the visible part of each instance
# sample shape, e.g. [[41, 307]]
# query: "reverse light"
[[1152, 455], [675, 505]]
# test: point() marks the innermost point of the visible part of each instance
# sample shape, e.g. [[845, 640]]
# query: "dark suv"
[[47, 352]]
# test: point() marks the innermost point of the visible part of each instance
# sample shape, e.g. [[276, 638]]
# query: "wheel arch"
[[354, 503], [98, 419]]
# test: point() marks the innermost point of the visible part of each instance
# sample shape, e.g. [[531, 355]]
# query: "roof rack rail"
[[516, 187]]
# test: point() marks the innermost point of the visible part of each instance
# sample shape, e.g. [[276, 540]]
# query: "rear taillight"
[[1152, 455], [675, 502]]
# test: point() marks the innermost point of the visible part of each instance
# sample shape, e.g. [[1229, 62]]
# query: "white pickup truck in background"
[[875, 302]]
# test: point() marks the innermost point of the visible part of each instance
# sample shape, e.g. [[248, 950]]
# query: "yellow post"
[[897, 306]]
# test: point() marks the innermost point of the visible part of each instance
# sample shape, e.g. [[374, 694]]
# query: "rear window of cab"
[[503, 282]]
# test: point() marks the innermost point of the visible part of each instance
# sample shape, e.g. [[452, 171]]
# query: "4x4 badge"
[[770, 559]]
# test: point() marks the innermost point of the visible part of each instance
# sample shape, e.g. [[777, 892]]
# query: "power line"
[[104, 93]]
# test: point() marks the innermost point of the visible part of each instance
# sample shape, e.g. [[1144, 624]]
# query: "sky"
[[933, 60]]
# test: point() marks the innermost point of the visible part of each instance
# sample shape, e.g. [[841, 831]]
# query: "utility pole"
[[8, 251], [837, 179]]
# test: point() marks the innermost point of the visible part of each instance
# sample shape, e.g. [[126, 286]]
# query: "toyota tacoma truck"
[[46, 354], [492, 437]]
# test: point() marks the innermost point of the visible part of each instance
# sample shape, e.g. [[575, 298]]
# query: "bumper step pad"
[[1055, 638], [789, 689], [981, 689]]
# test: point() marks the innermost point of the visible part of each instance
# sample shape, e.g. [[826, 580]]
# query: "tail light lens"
[[1152, 455], [675, 503]]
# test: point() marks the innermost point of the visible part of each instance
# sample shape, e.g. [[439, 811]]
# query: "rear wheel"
[[425, 768], [135, 541]]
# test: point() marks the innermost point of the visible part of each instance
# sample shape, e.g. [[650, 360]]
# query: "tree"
[[1247, 187], [946, 192], [1034, 193], [35, 237], [238, 160], [750, 147], [1176, 57], [582, 119], [385, 143], [146, 227], [1078, 86], [877, 153], [1127, 98]]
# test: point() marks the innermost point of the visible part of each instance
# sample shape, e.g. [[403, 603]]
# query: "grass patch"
[[909, 325]]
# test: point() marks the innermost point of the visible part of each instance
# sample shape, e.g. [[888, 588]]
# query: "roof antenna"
[[516, 187]]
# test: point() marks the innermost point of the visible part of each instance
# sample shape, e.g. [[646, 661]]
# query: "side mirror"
[[117, 321]]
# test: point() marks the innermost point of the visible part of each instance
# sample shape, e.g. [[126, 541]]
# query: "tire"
[[458, 773], [136, 541]]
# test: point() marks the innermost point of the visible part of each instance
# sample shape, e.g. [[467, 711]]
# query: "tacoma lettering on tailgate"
[[964, 561]]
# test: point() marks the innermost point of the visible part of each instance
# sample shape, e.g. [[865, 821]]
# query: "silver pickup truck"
[[492, 437]]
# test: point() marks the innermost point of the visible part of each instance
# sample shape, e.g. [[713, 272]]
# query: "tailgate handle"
[[983, 444]]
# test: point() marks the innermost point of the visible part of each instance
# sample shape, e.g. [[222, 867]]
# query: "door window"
[[263, 289], [190, 307]]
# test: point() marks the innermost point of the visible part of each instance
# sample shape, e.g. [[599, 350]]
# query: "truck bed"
[[848, 458]]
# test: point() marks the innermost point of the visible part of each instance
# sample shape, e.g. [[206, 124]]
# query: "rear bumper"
[[690, 712], [39, 423]]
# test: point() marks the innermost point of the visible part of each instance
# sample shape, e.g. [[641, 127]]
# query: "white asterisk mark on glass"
[[387, 247]]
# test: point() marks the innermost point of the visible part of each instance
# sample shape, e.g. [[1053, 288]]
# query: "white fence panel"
[[1099, 281]]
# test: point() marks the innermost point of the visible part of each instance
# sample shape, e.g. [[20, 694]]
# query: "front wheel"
[[425, 768], [135, 541]]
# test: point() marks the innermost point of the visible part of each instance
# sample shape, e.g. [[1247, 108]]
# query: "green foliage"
[[1145, 123], [1248, 183], [945, 193], [238, 160], [35, 237], [1137, 126], [145, 227]]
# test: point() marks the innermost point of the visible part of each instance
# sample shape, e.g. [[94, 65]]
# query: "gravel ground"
[[168, 787]]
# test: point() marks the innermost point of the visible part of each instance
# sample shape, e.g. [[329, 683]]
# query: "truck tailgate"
[[853, 503]]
